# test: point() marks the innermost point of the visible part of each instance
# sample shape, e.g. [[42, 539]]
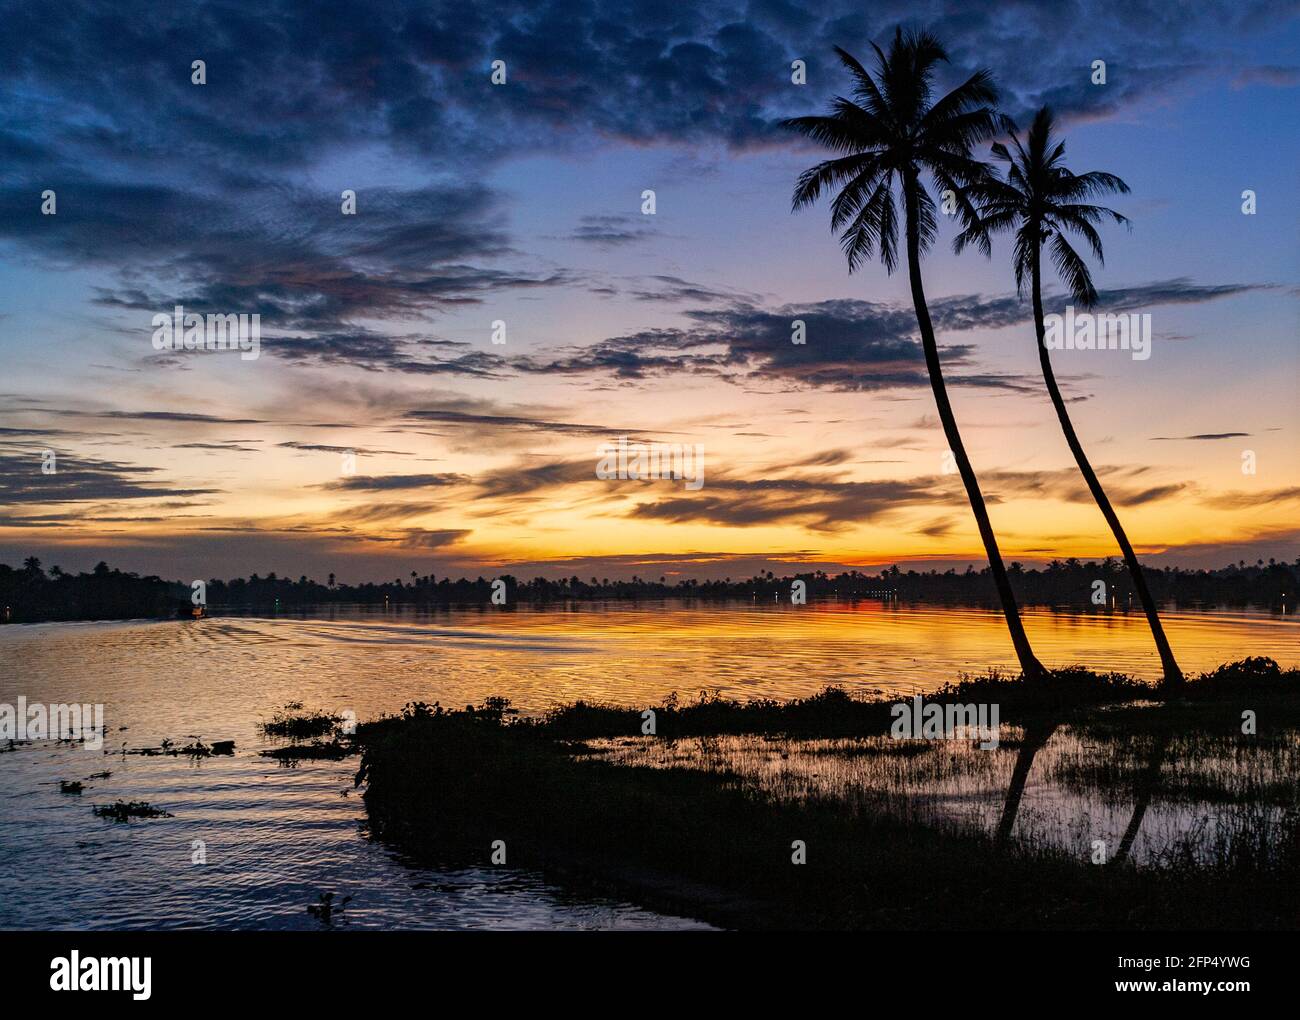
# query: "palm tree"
[[892, 132], [1041, 200]]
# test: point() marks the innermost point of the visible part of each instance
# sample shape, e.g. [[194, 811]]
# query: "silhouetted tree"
[[1041, 199], [892, 131]]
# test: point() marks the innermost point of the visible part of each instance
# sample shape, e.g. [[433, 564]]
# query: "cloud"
[[1125, 485], [222, 447], [609, 231], [80, 479], [1277, 75], [511, 421], [527, 480], [1251, 500], [814, 502], [326, 448], [416, 75], [388, 483], [1203, 437], [941, 528], [849, 344], [173, 416], [421, 538], [225, 197]]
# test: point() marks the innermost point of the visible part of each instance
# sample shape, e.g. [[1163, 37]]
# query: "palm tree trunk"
[[1029, 664], [1173, 675]]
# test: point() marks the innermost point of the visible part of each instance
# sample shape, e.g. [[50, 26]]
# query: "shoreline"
[[686, 842], [325, 610]]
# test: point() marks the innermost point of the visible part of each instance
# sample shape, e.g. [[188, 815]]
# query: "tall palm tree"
[[1041, 200], [892, 131]]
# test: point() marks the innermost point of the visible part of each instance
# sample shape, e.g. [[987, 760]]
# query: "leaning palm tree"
[[1041, 200], [889, 134]]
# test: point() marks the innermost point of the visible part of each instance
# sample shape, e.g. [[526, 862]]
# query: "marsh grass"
[[1198, 820]]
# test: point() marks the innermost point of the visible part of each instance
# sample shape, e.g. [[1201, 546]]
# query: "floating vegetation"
[[195, 750], [325, 909], [293, 722], [70, 786], [124, 811], [317, 750]]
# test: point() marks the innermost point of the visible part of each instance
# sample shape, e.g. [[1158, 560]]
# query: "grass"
[[702, 817]]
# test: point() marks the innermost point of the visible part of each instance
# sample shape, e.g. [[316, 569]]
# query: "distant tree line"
[[31, 593]]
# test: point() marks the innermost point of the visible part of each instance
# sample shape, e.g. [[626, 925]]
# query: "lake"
[[276, 838]]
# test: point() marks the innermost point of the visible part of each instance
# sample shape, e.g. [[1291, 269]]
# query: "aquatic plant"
[[124, 811], [293, 722]]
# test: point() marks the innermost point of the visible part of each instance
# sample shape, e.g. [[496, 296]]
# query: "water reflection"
[[276, 839]]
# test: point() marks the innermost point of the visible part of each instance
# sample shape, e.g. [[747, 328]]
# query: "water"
[[276, 838]]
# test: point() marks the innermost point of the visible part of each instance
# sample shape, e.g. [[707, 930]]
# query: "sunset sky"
[[522, 202]]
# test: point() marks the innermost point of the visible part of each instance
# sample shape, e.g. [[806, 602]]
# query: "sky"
[[381, 429]]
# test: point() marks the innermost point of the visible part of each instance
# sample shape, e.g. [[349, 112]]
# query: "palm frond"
[[1072, 270], [813, 181]]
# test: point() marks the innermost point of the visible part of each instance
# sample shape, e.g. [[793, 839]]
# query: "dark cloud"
[[80, 479], [848, 344], [326, 448], [223, 447], [675, 290], [940, 528], [530, 479], [1203, 436], [422, 538], [174, 416], [511, 421], [385, 483], [815, 502], [225, 196], [1126, 485], [382, 513], [1178, 291], [415, 74]]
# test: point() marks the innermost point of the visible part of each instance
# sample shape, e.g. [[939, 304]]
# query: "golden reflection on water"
[[229, 670], [377, 659], [278, 837], [543, 656]]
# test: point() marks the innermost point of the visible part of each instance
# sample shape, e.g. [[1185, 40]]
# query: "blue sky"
[[522, 202]]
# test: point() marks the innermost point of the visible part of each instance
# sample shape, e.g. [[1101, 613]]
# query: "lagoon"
[[275, 839]]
